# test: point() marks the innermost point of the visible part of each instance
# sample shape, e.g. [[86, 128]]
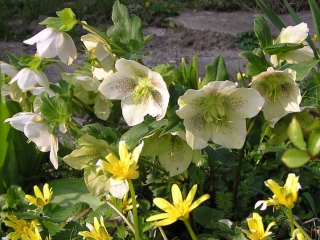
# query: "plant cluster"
[[124, 151]]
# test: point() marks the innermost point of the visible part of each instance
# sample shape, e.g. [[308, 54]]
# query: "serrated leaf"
[[54, 109], [282, 48], [257, 62], [215, 71], [314, 143], [166, 71], [262, 31], [174, 125], [295, 134], [302, 68], [53, 22], [110, 135], [126, 32], [294, 158], [68, 18], [15, 197], [53, 228]]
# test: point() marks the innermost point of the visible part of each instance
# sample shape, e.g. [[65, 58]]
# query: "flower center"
[[274, 90], [215, 113], [142, 91], [183, 210]]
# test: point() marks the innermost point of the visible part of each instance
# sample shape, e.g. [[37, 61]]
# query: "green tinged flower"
[[180, 208], [256, 228]]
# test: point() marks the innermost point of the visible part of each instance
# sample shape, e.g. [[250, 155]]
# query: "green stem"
[[289, 215], [134, 211], [193, 236], [75, 128]]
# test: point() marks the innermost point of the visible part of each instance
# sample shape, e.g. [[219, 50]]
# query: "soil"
[[207, 34]]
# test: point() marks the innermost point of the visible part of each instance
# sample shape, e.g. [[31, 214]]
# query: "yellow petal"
[[191, 195], [164, 205], [176, 194], [37, 192], [200, 200], [164, 222], [47, 193], [123, 151], [136, 152], [158, 217], [31, 199]]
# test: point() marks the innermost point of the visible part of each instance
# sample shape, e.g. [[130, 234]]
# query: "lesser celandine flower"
[[286, 195], [180, 208], [52, 42], [97, 231], [22, 228], [38, 131], [218, 112], [140, 90], [256, 228], [41, 199], [280, 91], [293, 34]]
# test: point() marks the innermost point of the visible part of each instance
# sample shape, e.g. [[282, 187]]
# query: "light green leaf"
[[215, 71], [302, 68], [316, 16], [68, 18], [294, 158], [67, 192], [97, 182], [295, 134], [262, 31], [54, 109], [314, 143], [53, 22]]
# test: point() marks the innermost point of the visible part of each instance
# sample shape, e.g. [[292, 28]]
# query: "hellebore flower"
[[52, 42], [256, 228], [286, 195], [141, 90], [27, 79], [22, 228], [38, 131], [293, 34], [180, 208], [218, 111], [96, 231], [280, 91], [40, 199]]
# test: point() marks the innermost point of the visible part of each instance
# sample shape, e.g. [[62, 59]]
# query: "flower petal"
[[176, 194], [191, 195], [66, 49], [8, 69], [131, 68], [19, 120], [164, 205], [293, 34], [54, 147], [200, 200]]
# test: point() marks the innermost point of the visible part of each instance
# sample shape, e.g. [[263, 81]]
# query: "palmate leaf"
[[126, 33]]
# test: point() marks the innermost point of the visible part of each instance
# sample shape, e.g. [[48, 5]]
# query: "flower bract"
[[293, 34], [97, 231], [41, 199], [140, 90], [180, 208], [286, 195], [280, 91], [51, 43], [218, 112], [256, 228], [37, 130]]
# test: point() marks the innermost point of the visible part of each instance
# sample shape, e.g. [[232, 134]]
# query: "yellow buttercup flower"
[[124, 168], [286, 195], [256, 228], [22, 228], [40, 199], [180, 208], [97, 231]]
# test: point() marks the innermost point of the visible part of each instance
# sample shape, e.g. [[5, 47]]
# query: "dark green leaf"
[[282, 48], [207, 217], [302, 68], [54, 109], [316, 17], [52, 227], [270, 14], [174, 125], [257, 62], [215, 71], [262, 31], [110, 135], [188, 76], [223, 155]]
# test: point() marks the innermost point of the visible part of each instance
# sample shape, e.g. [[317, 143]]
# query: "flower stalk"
[[134, 211], [191, 232]]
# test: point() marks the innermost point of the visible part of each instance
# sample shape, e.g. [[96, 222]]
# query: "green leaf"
[[54, 109], [302, 68], [53, 228], [309, 199], [262, 31], [295, 134], [207, 216], [215, 71], [67, 192], [126, 32], [223, 155], [294, 158], [136, 133], [270, 14], [53, 22], [15, 197], [188, 76], [314, 143], [14, 60], [110, 135], [174, 125], [97, 182], [68, 18], [316, 16], [166, 71], [282, 48], [257, 61]]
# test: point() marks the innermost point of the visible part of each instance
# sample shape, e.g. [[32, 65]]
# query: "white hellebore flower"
[[218, 111], [37, 131], [141, 90], [293, 34], [280, 91], [52, 42], [28, 78]]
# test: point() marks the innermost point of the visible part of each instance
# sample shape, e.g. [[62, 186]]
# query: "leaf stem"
[[191, 232], [134, 210]]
